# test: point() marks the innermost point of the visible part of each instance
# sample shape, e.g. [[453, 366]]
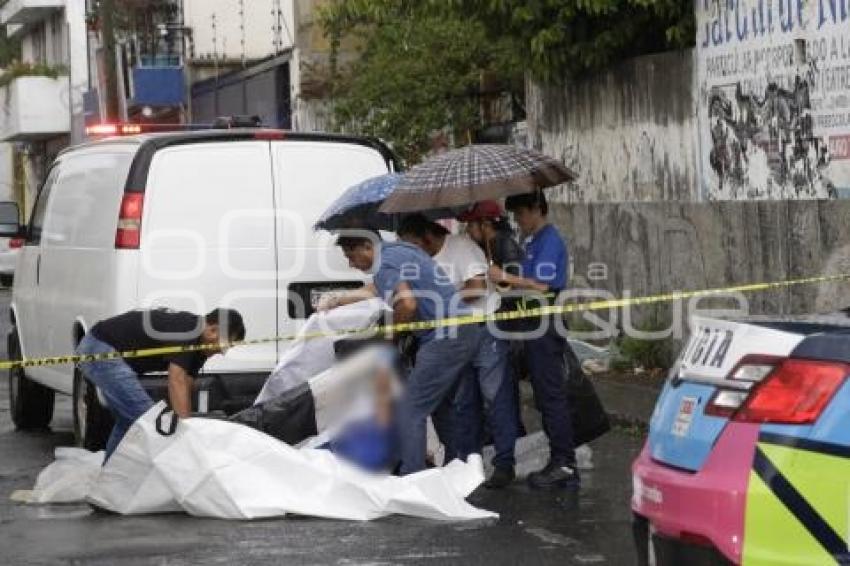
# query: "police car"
[[748, 455]]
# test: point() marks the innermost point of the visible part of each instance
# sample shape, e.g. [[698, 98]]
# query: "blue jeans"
[[439, 365], [547, 368], [120, 385], [493, 387]]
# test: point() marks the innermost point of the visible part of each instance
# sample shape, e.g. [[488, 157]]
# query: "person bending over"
[[118, 379], [412, 283]]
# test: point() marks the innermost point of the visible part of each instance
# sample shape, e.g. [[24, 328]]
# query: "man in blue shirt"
[[544, 270], [416, 289]]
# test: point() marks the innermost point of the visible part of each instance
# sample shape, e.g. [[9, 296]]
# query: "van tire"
[[30, 403], [92, 421]]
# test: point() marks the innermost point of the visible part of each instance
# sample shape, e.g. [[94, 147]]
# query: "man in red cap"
[[487, 224], [496, 391]]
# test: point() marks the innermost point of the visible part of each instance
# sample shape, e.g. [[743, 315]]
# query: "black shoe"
[[555, 475], [501, 478]]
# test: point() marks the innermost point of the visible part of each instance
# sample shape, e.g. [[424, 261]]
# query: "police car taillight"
[[783, 391], [750, 370], [128, 236], [796, 392]]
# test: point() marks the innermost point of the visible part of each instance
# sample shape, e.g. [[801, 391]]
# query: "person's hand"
[[327, 302], [495, 274]]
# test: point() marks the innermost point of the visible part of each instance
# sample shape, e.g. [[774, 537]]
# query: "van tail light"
[[129, 233], [790, 391], [16, 243]]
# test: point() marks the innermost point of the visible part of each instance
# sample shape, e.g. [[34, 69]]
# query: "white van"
[[189, 221]]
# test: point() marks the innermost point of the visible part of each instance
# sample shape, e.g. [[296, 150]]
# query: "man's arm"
[[404, 304], [348, 297], [473, 289], [180, 390], [500, 277]]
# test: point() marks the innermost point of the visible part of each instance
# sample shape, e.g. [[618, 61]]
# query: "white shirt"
[[461, 259]]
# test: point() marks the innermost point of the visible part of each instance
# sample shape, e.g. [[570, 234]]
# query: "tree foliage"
[[10, 49], [417, 75], [554, 38], [422, 60]]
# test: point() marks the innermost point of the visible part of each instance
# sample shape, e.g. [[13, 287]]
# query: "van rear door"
[[208, 240], [309, 176]]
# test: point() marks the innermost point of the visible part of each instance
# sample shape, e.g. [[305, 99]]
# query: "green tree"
[[416, 75], [563, 38], [10, 49], [554, 38], [423, 60]]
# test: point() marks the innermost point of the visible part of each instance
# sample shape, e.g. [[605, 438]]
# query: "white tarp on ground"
[[307, 356], [69, 478], [210, 468]]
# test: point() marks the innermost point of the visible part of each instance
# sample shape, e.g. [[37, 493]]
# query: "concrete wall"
[[650, 248], [630, 132]]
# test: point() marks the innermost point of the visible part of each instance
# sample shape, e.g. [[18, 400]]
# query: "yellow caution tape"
[[519, 314]]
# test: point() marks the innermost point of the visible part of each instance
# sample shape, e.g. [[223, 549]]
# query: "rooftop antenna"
[[242, 30], [215, 39], [277, 28]]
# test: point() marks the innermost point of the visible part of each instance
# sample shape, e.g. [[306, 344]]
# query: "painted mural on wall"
[[773, 98]]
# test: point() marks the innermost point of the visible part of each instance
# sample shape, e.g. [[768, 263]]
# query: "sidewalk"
[[629, 399]]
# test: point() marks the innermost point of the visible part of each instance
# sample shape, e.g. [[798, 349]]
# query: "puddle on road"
[[57, 512], [551, 538], [476, 525]]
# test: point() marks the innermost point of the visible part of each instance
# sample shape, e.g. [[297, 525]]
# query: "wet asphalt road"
[[591, 527]]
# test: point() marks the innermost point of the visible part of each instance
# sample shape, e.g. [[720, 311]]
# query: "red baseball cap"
[[483, 210]]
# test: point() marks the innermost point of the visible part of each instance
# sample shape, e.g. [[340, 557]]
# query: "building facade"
[[42, 94]]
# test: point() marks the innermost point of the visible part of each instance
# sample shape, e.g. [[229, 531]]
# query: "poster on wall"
[[773, 98]]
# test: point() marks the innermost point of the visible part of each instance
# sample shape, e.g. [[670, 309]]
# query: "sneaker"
[[501, 478], [555, 475]]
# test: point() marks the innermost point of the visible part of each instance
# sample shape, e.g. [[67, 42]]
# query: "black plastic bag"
[[290, 417], [590, 421]]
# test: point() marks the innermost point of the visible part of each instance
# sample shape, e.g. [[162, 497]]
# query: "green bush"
[[629, 353], [17, 69]]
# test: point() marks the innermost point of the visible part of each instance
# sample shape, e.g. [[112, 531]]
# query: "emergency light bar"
[[129, 129], [112, 130]]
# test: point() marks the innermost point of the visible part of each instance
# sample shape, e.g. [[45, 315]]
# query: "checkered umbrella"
[[474, 173]]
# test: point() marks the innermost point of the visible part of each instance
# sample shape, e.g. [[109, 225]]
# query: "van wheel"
[[31, 403], [92, 421]]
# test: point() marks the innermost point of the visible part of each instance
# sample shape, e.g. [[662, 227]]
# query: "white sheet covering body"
[[211, 468], [308, 356]]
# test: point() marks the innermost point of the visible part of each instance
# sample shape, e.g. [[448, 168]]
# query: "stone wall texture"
[[649, 248], [630, 132]]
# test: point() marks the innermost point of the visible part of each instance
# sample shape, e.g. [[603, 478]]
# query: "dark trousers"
[[492, 389], [544, 357], [440, 365]]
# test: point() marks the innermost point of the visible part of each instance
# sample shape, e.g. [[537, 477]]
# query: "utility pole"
[[107, 30]]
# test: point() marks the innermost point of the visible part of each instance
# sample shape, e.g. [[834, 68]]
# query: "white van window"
[[83, 210], [39, 211]]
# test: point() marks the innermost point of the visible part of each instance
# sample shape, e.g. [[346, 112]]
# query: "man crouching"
[[118, 379]]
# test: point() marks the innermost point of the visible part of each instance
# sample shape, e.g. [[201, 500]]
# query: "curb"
[[628, 405]]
